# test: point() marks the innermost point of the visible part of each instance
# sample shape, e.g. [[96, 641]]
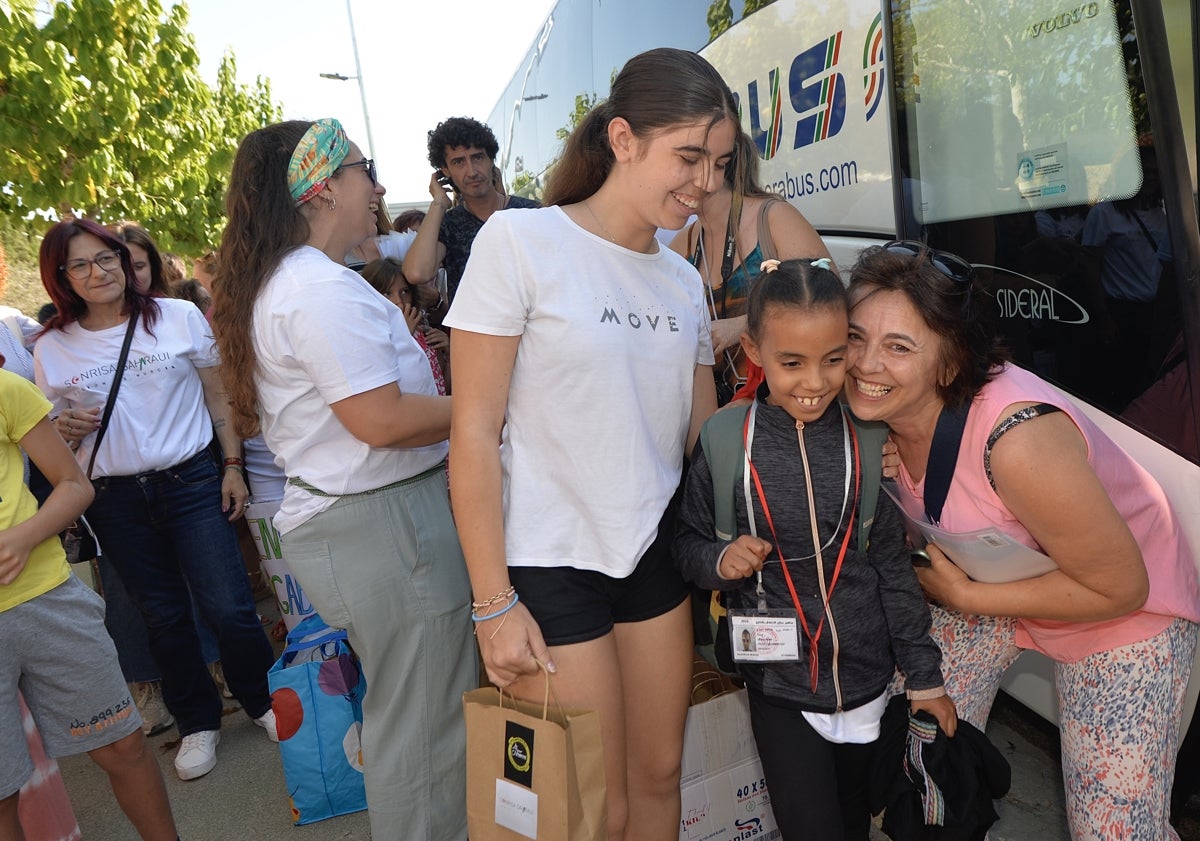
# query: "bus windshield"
[[1025, 145]]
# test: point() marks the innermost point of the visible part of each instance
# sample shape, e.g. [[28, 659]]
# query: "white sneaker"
[[267, 722], [197, 754], [150, 705]]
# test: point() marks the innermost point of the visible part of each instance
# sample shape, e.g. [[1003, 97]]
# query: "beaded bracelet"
[[515, 598], [499, 597]]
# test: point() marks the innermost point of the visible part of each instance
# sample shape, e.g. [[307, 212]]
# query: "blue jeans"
[[124, 624], [163, 531]]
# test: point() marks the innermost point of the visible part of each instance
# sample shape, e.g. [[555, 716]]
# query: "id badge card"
[[770, 636]]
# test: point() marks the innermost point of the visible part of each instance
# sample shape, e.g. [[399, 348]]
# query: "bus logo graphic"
[[825, 91], [767, 140], [816, 92], [874, 69], [1025, 298]]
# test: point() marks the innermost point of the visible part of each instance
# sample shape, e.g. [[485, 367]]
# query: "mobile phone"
[[445, 181], [920, 558]]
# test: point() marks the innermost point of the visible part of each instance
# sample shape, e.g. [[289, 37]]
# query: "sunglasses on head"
[[951, 265]]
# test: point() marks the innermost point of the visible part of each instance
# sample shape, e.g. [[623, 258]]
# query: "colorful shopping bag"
[[317, 687], [534, 771]]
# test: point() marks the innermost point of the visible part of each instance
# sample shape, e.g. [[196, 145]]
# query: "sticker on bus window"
[[1042, 173]]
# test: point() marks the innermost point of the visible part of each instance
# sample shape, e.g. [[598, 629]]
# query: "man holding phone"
[[462, 152]]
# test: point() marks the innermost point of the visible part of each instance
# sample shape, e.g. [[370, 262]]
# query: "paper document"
[[986, 555]]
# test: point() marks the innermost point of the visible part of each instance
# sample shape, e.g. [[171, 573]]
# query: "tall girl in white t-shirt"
[[582, 346]]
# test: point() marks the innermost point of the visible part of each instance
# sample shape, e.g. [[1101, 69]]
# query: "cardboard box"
[[723, 791]]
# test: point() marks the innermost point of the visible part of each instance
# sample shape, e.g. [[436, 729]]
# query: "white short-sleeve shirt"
[[159, 418], [601, 392], [322, 334]]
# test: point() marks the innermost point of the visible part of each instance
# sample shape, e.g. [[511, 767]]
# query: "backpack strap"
[[871, 437], [721, 438]]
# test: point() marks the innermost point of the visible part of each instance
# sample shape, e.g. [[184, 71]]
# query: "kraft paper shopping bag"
[[534, 771]]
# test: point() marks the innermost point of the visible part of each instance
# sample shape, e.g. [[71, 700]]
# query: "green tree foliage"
[[720, 14], [720, 18], [103, 111], [532, 185], [584, 102]]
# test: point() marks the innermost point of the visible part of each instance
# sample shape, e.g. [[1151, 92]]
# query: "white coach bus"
[[989, 128]]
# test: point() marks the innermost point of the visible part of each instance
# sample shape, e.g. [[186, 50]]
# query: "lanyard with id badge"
[[768, 635]]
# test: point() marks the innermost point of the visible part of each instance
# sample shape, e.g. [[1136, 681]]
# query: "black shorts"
[[574, 605]]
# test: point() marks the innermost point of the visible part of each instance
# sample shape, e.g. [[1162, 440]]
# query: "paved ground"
[[244, 798]]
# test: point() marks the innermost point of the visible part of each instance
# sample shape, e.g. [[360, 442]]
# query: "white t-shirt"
[[601, 392], [395, 244], [322, 334], [18, 332], [159, 418]]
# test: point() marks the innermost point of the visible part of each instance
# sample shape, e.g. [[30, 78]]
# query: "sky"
[[422, 61]]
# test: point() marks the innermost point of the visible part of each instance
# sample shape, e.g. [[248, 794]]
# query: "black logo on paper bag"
[[518, 754]]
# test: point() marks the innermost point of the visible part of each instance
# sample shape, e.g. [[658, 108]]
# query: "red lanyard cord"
[[837, 569]]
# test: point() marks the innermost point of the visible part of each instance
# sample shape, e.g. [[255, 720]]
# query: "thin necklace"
[[611, 238]]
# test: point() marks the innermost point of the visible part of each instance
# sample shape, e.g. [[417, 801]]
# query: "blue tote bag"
[[317, 687]]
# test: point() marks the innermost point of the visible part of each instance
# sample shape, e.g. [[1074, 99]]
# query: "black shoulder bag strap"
[[112, 391], [943, 455]]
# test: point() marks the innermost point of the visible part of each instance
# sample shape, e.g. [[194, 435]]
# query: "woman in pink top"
[[1118, 615]]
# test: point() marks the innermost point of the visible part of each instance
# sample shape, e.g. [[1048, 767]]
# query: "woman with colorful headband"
[[994, 455], [353, 418]]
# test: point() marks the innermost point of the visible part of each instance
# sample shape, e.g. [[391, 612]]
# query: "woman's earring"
[[333, 202]]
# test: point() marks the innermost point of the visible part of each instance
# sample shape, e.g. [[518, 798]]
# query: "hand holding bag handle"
[[549, 759], [545, 699]]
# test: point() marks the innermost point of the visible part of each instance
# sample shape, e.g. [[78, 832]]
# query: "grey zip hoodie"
[[880, 613]]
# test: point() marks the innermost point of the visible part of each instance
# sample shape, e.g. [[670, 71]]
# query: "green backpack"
[[721, 437]]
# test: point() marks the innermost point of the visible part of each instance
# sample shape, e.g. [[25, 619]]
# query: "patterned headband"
[[323, 147]]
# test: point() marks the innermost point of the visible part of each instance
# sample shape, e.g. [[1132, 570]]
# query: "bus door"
[[1045, 144]]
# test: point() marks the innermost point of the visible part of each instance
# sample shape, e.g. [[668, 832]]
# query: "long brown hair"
[[741, 173], [655, 90], [134, 234], [741, 176], [264, 225]]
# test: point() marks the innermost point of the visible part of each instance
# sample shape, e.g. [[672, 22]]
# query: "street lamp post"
[[362, 91]]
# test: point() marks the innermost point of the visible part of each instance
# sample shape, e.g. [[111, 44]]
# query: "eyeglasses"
[[368, 165], [950, 265], [81, 269]]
